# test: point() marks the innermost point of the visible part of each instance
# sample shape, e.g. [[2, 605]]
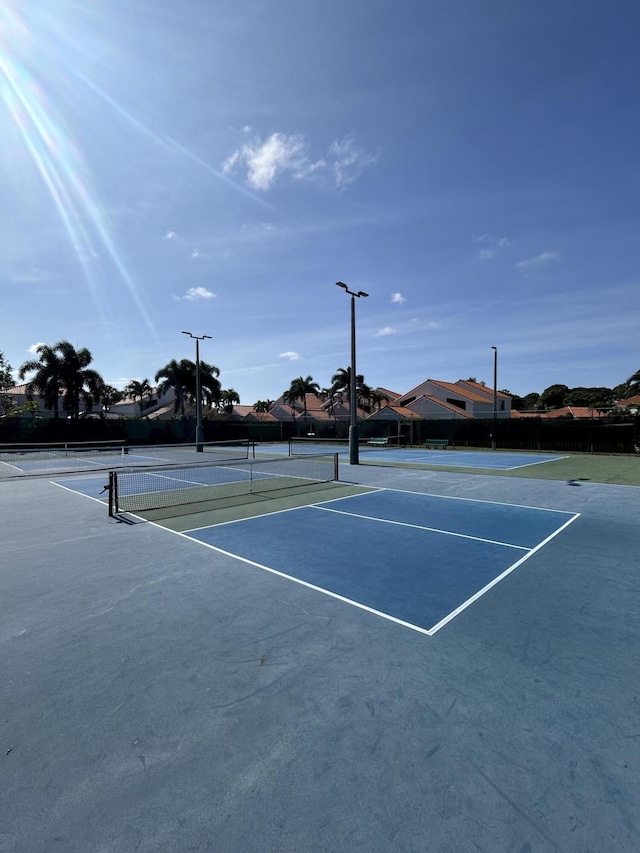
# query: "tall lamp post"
[[495, 397], [199, 429], [353, 428]]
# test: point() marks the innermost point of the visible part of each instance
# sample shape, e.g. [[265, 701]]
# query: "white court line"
[[426, 631], [301, 582], [421, 527], [475, 500], [101, 501], [497, 580]]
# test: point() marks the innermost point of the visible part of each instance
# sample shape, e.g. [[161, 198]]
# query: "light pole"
[[199, 429], [353, 428], [495, 397]]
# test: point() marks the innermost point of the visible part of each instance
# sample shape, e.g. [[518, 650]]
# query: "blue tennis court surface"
[[417, 559], [494, 461]]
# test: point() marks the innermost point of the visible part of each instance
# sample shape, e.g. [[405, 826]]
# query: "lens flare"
[[60, 165]]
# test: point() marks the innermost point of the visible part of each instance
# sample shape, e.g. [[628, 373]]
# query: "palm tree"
[[138, 391], [180, 376], [78, 379], [377, 398], [228, 399], [47, 382], [61, 369], [341, 381], [210, 387], [299, 389], [109, 396], [364, 396], [174, 376], [262, 405], [330, 395]]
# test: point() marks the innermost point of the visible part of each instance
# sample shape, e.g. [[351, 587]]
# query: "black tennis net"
[[27, 459], [303, 444], [138, 490]]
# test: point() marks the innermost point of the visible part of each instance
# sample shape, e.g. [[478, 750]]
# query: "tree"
[[592, 397], [109, 396], [341, 379], [210, 387], [47, 381], [228, 399], [138, 391], [174, 376], [79, 381], [299, 389], [553, 397], [330, 395], [634, 383], [180, 376], [377, 398], [262, 405], [6, 381], [62, 370]]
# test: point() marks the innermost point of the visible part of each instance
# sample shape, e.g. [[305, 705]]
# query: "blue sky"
[[217, 165]]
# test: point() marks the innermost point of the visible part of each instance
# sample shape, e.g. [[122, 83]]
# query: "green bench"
[[379, 442], [435, 443]]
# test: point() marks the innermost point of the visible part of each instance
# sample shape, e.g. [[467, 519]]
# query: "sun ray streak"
[[58, 165], [168, 142]]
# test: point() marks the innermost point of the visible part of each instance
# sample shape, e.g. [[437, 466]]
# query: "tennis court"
[[405, 659], [371, 454]]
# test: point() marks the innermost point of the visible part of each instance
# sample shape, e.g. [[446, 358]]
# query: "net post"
[[335, 467], [111, 489]]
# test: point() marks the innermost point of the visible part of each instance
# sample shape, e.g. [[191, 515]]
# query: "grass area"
[[597, 468]]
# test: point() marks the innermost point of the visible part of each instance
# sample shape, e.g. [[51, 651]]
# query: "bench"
[[378, 442], [435, 443]]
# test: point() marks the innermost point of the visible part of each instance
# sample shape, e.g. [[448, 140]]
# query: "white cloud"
[[264, 160], [398, 298], [539, 262], [387, 330], [195, 253], [170, 235], [285, 153], [291, 356], [196, 294], [33, 349]]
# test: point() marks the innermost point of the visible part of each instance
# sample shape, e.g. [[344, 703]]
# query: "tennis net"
[[26, 459], [138, 491], [303, 444]]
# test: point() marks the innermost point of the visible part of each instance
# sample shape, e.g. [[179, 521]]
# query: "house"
[[464, 398]]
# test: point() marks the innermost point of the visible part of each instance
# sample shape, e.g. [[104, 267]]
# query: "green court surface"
[[596, 468]]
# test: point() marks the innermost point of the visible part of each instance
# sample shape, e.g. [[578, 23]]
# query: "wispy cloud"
[[386, 330], [533, 265], [289, 355], [491, 246], [283, 153], [196, 294], [264, 160], [170, 235], [348, 160], [398, 298], [33, 349]]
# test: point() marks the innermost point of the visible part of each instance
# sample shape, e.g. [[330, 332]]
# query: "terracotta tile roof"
[[453, 388], [392, 395], [399, 410], [449, 406], [484, 388]]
